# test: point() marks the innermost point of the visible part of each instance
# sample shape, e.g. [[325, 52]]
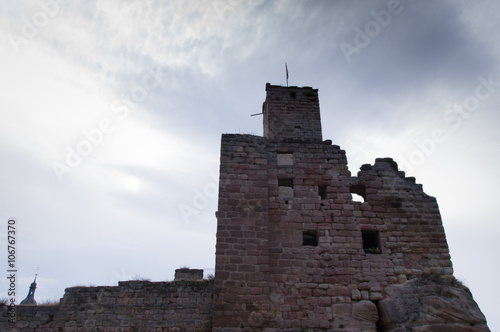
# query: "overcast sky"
[[111, 115]]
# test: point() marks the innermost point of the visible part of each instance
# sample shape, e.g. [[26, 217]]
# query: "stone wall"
[[294, 250], [291, 113], [241, 288], [275, 196], [188, 274], [131, 306]]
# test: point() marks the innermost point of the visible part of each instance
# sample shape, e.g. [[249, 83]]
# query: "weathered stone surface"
[[188, 274], [392, 311], [431, 304], [365, 310], [447, 328]]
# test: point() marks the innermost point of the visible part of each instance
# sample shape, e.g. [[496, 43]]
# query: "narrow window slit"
[[322, 192]]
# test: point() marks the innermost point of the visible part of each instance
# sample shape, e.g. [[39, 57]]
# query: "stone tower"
[[291, 113], [295, 252]]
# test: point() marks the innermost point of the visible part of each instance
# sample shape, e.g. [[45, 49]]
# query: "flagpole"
[[286, 69]]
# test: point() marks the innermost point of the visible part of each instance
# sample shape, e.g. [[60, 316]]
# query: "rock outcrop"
[[430, 304]]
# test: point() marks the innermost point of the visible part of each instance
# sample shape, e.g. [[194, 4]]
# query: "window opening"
[[285, 188], [371, 242], [322, 192], [310, 238], [358, 193], [285, 183], [293, 95]]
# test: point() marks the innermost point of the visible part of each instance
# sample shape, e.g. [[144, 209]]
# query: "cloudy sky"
[[112, 111]]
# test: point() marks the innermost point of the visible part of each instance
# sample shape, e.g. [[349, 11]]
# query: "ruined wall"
[[131, 306], [329, 252], [298, 258], [241, 288], [294, 251]]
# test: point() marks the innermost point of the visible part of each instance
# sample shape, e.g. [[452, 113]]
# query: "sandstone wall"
[[291, 113], [294, 249], [275, 196], [241, 288], [131, 306]]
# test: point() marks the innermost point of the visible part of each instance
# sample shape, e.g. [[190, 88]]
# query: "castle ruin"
[[294, 251]]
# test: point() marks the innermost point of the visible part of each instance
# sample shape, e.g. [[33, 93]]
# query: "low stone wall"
[[130, 306]]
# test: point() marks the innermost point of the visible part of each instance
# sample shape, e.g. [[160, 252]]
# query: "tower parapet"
[[291, 113]]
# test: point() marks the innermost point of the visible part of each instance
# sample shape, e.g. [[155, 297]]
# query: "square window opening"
[[293, 95], [310, 238], [371, 242]]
